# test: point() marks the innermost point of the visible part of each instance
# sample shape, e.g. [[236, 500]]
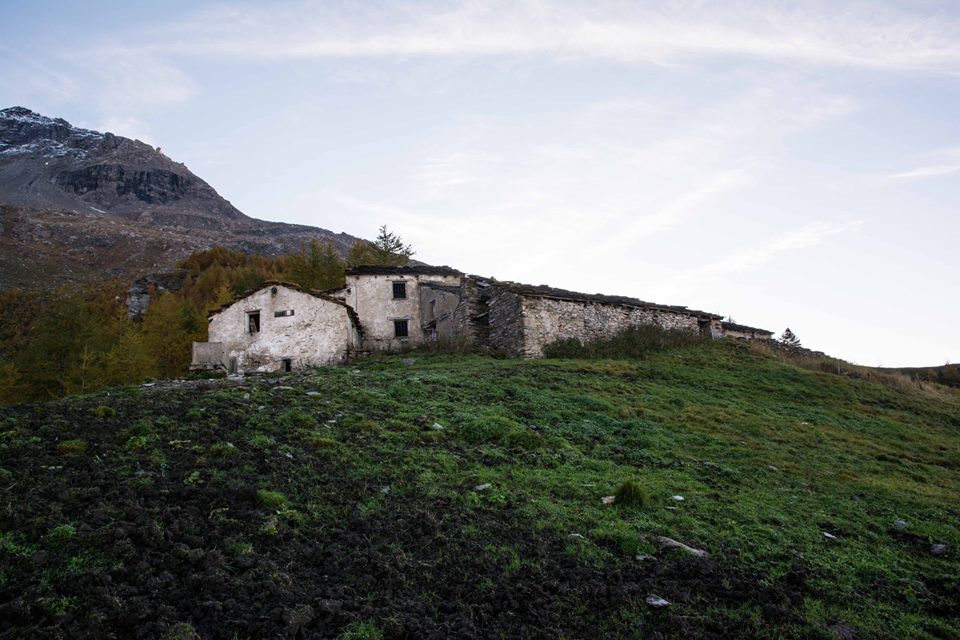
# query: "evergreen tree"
[[316, 266], [790, 340], [388, 250]]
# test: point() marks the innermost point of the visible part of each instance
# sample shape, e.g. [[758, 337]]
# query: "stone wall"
[[371, 296], [208, 356], [547, 320], [439, 303], [506, 324], [296, 326]]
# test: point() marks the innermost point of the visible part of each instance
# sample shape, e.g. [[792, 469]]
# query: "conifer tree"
[[388, 250], [790, 340], [316, 266]]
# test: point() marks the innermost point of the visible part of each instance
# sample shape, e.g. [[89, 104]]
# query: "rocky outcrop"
[[143, 289]]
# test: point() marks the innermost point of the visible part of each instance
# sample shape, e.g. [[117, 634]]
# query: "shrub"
[[631, 494], [633, 342], [62, 533], [361, 631], [103, 411], [70, 448], [273, 499], [521, 438]]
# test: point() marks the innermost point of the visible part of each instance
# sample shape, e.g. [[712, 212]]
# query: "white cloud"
[[855, 34], [940, 162], [127, 126], [751, 258]]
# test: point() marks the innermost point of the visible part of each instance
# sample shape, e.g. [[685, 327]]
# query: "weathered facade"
[[525, 319], [389, 308], [279, 327], [398, 306]]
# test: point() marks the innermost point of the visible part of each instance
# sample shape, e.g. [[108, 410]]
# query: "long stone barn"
[[282, 326]]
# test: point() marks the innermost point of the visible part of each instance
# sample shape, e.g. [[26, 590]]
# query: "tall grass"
[[634, 342]]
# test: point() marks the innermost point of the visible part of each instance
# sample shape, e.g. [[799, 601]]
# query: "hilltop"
[[79, 205], [463, 496]]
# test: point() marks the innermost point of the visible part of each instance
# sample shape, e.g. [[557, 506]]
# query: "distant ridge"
[[80, 205]]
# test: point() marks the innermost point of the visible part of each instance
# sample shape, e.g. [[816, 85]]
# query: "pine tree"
[[790, 340], [388, 250]]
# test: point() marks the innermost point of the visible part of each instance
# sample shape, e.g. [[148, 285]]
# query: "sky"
[[784, 164]]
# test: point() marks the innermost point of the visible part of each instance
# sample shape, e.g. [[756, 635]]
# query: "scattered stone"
[[297, 619], [420, 421], [437, 426], [261, 407], [246, 396], [288, 455], [282, 388], [938, 549], [314, 393], [482, 487], [900, 524], [773, 468], [409, 361], [149, 384], [657, 602], [828, 536], [643, 557], [678, 498], [384, 490], [608, 499], [575, 536], [670, 507], [670, 543]]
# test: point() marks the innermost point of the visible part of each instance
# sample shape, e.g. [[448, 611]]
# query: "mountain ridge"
[[77, 205]]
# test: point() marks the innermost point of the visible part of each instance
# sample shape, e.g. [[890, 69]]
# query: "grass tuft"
[[631, 494]]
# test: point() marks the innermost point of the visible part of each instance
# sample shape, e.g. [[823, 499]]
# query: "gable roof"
[[354, 318], [544, 291], [423, 270]]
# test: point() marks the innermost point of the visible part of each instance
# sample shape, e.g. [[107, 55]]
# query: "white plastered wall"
[[319, 331]]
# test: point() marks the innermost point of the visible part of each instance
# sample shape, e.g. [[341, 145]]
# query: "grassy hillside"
[[328, 505]]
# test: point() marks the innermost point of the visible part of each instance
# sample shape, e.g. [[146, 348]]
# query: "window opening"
[[433, 309], [400, 329], [399, 290], [283, 314], [287, 365], [253, 322]]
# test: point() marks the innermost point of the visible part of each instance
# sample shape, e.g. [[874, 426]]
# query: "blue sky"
[[787, 164]]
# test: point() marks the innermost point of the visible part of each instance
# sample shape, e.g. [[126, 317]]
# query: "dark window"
[[253, 322], [400, 329], [399, 290], [282, 314], [433, 309], [287, 365]]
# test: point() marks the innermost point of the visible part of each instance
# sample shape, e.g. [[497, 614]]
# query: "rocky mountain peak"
[[75, 203]]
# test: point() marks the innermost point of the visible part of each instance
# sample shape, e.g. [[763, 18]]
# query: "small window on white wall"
[[253, 322], [401, 329], [399, 290]]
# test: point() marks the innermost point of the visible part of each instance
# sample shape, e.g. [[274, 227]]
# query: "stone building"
[[389, 308], [278, 327], [743, 332]]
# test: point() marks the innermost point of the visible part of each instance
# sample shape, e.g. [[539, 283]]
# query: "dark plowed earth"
[[155, 545]]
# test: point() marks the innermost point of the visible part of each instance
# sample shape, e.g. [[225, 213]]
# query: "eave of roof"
[[425, 270]]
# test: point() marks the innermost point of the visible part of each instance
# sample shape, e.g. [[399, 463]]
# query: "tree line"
[[65, 341]]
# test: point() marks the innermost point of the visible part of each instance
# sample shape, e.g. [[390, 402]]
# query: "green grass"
[[767, 456]]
